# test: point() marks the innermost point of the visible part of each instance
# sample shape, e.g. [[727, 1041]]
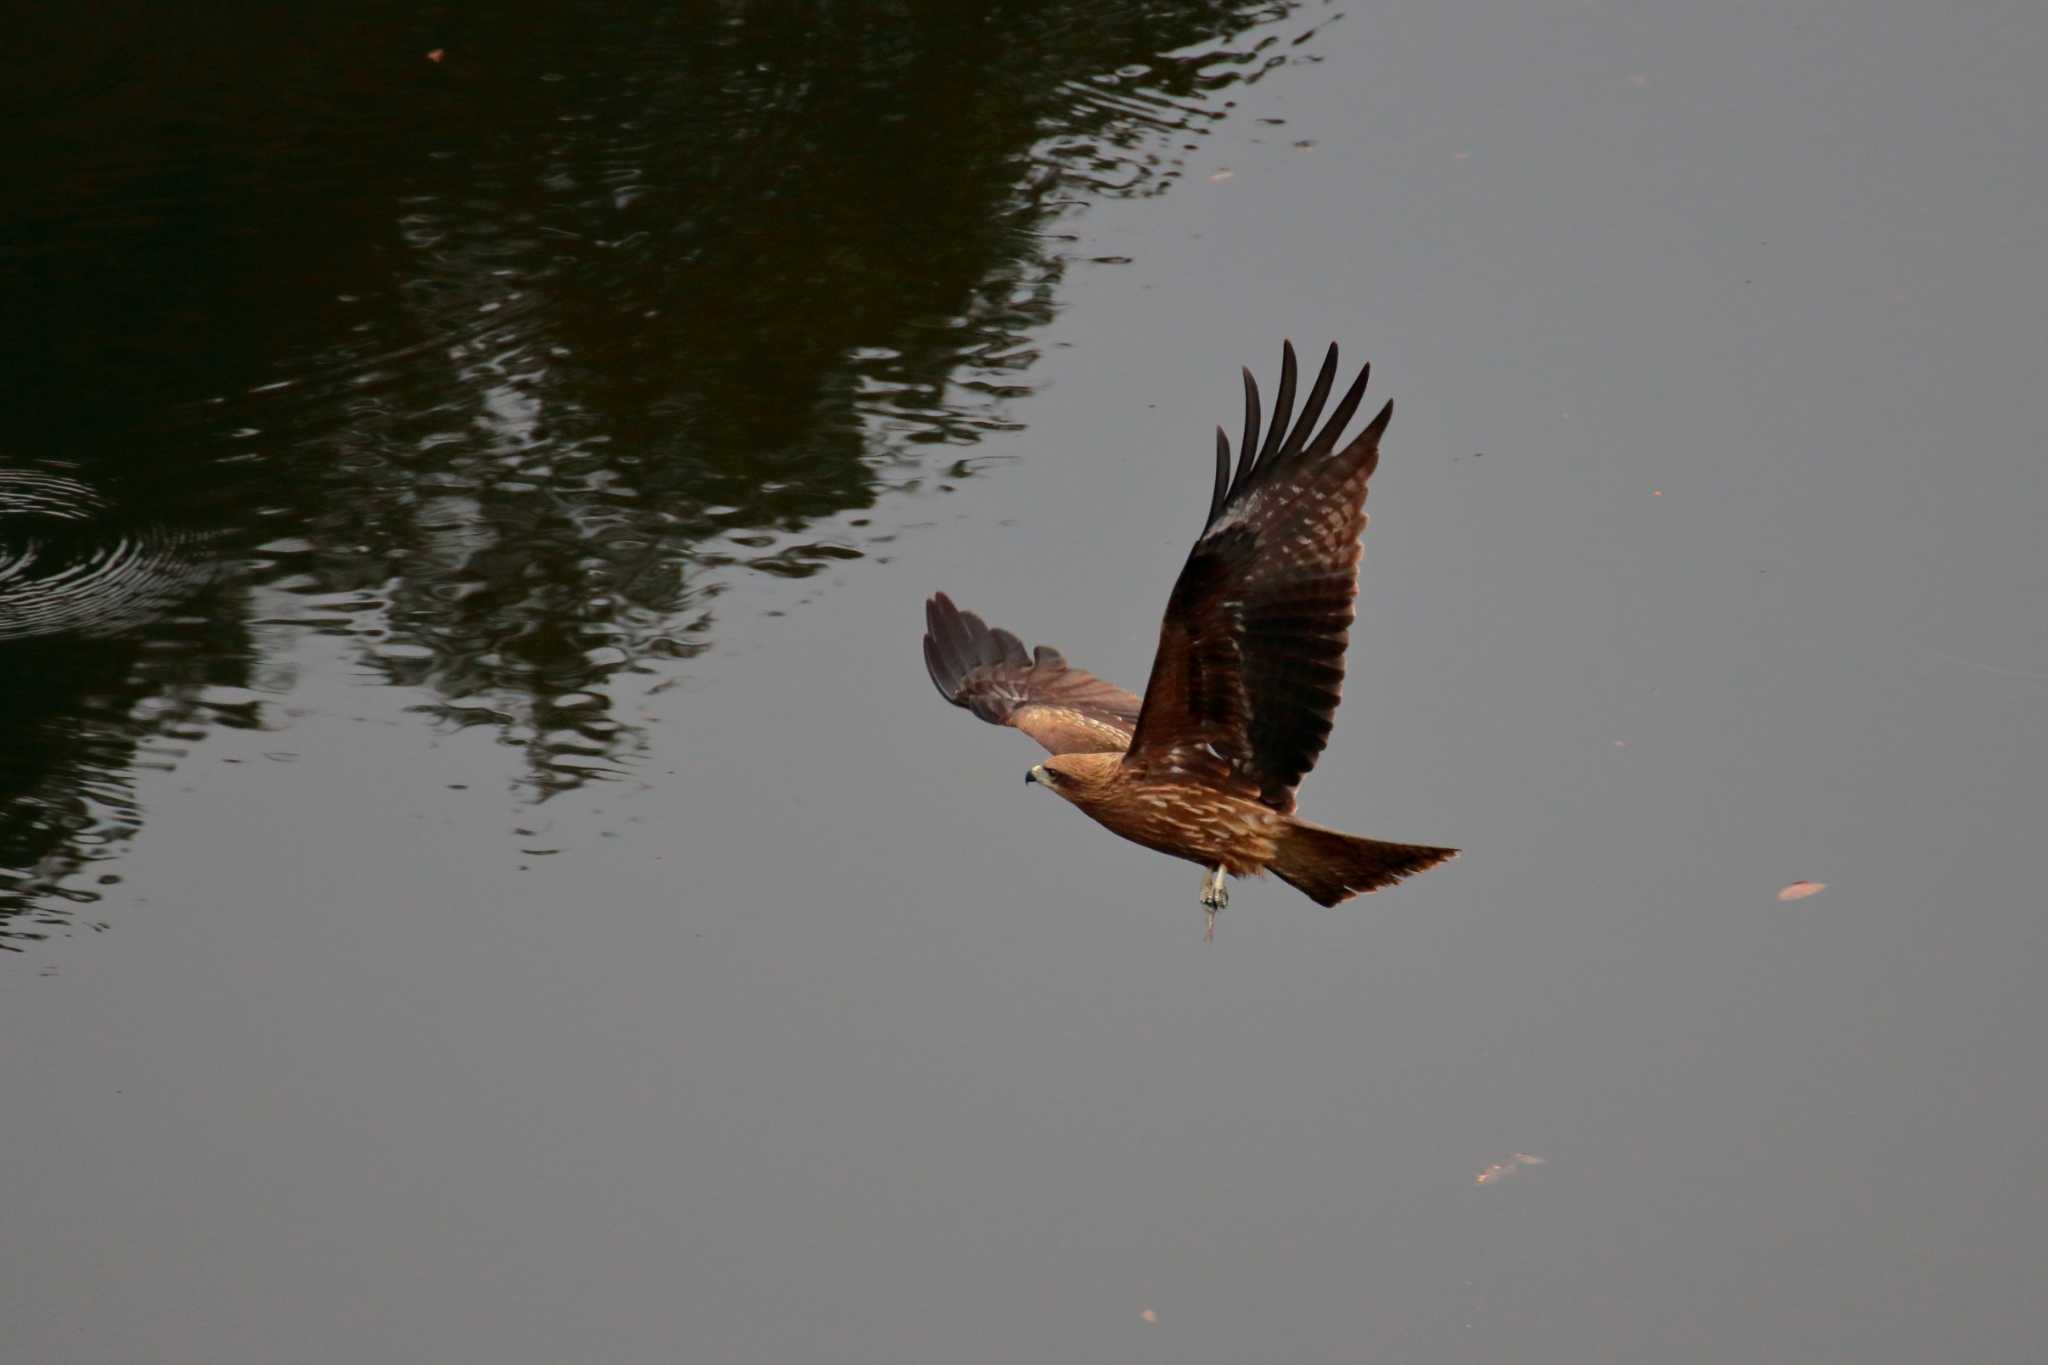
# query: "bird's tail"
[[1329, 867]]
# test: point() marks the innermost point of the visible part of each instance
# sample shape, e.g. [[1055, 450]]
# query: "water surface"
[[490, 880]]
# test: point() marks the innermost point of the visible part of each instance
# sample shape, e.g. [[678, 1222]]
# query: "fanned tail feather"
[[1329, 867]]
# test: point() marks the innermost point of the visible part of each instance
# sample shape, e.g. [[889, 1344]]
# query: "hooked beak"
[[1031, 775]]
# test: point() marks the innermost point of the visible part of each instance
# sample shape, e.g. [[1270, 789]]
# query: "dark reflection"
[[500, 364]]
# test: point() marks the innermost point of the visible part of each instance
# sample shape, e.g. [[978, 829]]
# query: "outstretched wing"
[[989, 673], [1251, 654]]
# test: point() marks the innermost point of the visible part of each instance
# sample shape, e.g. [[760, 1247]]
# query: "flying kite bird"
[[1248, 674]]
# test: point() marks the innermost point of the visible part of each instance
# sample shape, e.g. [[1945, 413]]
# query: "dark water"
[[502, 365], [489, 880]]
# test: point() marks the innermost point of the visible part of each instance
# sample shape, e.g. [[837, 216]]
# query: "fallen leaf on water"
[[1492, 1174], [1799, 891], [1149, 1316]]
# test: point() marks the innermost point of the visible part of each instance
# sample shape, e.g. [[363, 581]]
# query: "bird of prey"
[[1246, 679]]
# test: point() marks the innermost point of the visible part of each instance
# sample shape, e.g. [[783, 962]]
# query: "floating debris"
[[1492, 1174], [1799, 891], [1221, 176]]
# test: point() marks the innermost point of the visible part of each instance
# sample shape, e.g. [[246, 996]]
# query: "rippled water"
[[500, 352], [70, 565]]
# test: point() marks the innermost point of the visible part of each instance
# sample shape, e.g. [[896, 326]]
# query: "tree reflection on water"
[[502, 364]]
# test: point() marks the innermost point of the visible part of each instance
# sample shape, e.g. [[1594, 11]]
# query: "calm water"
[[488, 878]]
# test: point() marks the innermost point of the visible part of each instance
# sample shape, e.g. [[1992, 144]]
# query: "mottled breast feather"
[[991, 674], [1251, 654]]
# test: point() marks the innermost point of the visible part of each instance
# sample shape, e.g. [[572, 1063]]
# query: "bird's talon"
[[1215, 896]]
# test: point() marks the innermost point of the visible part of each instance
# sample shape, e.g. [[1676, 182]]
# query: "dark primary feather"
[[989, 672], [1251, 654]]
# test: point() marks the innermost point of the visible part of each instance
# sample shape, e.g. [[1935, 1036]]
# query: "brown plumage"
[[1247, 677]]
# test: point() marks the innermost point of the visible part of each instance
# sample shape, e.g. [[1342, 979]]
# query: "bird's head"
[[1077, 777]]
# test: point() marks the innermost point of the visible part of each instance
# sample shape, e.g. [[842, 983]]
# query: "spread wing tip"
[[1288, 438], [958, 645], [991, 672], [953, 645], [1222, 476], [935, 668]]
